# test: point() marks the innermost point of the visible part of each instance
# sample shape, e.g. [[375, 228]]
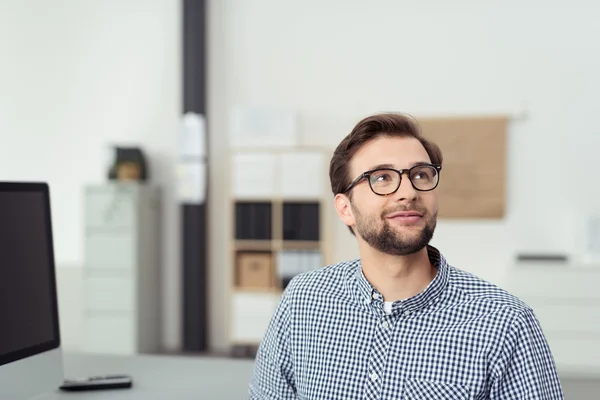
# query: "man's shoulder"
[[330, 278], [484, 292]]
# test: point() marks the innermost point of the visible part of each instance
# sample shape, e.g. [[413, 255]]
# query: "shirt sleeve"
[[526, 369], [273, 377]]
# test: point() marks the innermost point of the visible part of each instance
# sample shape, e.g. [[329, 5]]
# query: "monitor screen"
[[28, 304]]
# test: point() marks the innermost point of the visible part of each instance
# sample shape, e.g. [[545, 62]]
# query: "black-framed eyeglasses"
[[386, 181]]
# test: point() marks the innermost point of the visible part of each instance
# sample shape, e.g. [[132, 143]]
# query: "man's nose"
[[406, 191]]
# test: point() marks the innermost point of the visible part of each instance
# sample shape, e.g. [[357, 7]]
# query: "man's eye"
[[381, 177], [422, 175]]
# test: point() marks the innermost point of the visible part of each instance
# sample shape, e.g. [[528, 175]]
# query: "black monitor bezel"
[[43, 188]]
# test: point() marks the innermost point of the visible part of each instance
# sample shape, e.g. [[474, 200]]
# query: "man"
[[400, 322]]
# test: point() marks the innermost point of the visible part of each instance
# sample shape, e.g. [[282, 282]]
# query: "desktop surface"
[[160, 377]]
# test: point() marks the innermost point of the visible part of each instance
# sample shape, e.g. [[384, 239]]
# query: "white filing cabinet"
[[121, 286]]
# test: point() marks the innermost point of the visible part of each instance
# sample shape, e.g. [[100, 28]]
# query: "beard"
[[388, 240]]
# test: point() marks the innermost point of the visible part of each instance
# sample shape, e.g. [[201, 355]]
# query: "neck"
[[397, 277]]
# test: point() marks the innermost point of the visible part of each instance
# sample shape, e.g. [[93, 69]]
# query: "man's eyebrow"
[[392, 166], [420, 163], [381, 166]]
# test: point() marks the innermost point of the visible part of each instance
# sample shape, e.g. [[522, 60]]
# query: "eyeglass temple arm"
[[361, 177]]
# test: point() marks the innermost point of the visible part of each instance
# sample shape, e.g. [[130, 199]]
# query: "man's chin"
[[409, 240], [408, 230]]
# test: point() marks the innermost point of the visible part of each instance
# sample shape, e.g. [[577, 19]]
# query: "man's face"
[[376, 218]]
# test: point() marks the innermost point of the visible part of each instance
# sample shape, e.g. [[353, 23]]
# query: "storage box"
[[254, 270]]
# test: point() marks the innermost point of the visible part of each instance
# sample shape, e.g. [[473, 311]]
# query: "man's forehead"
[[400, 152]]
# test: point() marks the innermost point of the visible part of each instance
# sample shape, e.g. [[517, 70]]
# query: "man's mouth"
[[405, 214], [406, 217]]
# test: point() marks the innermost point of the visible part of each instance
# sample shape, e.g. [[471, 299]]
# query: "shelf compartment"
[[301, 221], [253, 220]]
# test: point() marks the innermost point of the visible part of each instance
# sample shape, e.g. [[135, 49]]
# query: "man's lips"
[[405, 214], [406, 217]]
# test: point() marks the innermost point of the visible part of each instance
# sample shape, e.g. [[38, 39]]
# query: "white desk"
[[161, 377]]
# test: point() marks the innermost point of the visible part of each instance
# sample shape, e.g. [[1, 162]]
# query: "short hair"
[[369, 128]]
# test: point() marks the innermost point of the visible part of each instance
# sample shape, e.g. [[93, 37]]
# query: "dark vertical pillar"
[[194, 221]]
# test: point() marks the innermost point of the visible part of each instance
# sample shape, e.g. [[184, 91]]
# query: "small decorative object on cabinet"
[[121, 269], [129, 164], [279, 203]]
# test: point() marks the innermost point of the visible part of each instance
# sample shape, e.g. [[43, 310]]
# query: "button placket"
[[380, 345]]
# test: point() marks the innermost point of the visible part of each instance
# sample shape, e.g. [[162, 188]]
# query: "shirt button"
[[385, 325], [374, 377], [375, 296], [407, 313]]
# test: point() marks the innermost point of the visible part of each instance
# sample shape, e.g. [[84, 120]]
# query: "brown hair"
[[387, 124]]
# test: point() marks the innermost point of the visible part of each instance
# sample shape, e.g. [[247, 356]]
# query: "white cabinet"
[[565, 299], [121, 286]]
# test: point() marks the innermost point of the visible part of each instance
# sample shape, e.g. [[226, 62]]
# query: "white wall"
[[336, 61], [76, 76]]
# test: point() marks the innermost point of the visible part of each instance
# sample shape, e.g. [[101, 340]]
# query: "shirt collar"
[[366, 293]]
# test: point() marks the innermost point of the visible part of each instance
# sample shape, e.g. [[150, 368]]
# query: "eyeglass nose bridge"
[[400, 172]]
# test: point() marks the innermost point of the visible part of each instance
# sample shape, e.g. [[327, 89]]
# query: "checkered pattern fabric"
[[461, 338]]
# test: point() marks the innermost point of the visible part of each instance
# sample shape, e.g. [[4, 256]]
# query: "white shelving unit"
[[279, 202]]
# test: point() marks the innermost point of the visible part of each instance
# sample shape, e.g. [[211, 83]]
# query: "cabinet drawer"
[[110, 207], [567, 318], [557, 282], [110, 251], [109, 334], [576, 354], [109, 293]]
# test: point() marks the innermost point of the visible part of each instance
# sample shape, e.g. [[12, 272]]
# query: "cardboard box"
[[254, 270]]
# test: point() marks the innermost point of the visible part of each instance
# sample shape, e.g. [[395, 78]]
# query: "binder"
[[253, 221], [301, 221]]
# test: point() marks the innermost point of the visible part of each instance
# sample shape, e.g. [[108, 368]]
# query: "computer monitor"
[[30, 354]]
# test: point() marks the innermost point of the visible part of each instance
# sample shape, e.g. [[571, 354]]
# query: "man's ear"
[[344, 209]]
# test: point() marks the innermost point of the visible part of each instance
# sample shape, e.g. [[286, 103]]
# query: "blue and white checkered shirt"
[[461, 338]]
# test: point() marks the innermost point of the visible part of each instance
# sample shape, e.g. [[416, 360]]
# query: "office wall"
[[76, 76], [336, 61]]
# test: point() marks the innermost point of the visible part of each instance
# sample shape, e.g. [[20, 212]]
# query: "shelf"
[[276, 199], [253, 245], [254, 199], [301, 245]]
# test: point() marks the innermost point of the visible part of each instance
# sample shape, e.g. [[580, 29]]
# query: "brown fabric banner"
[[473, 178]]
